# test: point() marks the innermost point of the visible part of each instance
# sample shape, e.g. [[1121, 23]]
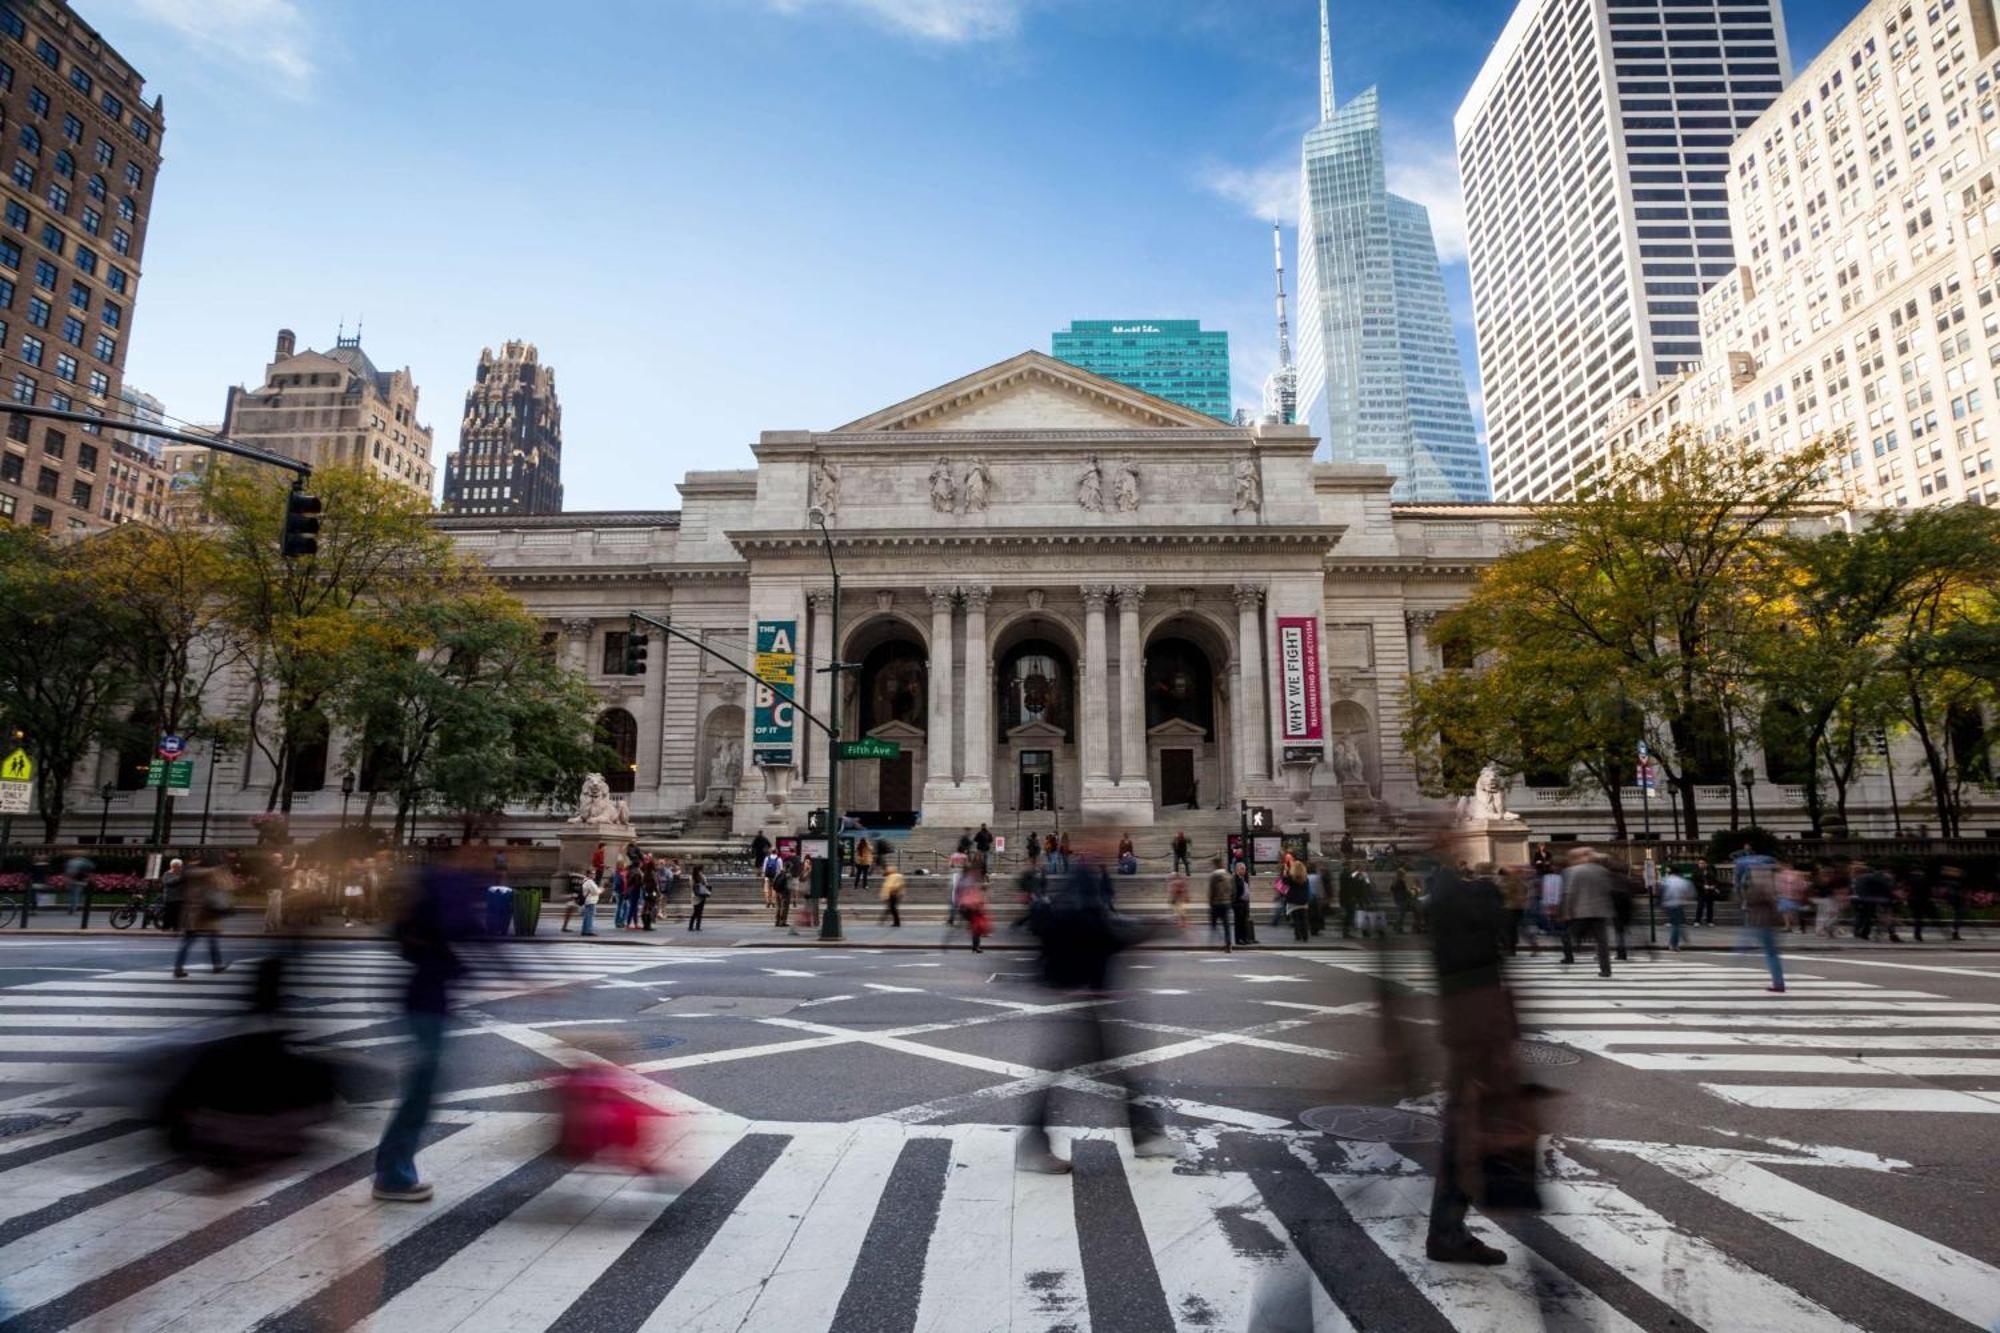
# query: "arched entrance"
[[1035, 773], [1185, 657], [890, 701], [618, 732]]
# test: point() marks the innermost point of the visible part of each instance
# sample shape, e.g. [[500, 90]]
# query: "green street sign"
[[869, 748], [178, 775]]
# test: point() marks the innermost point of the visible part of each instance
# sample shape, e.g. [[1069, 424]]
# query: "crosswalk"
[[885, 1223]]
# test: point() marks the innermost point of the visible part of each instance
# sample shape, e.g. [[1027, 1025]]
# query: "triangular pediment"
[[1037, 732], [1033, 391], [900, 732], [1176, 729]]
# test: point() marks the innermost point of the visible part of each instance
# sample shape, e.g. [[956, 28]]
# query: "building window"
[[38, 312], [52, 239], [7, 508], [619, 733], [112, 313], [86, 259], [46, 482], [141, 130], [121, 240], [38, 101], [79, 295], [79, 78], [100, 383], [24, 388], [17, 428], [65, 164], [31, 138], [31, 349], [66, 367], [40, 518], [95, 186], [45, 49], [45, 275], [24, 174], [55, 444], [10, 468], [114, 278], [18, 216], [72, 331], [79, 494], [112, 106], [58, 198], [86, 457], [104, 153], [92, 220], [6, 296], [105, 348], [72, 129], [10, 254], [133, 176]]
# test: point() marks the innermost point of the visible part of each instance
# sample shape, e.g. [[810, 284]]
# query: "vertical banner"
[[776, 663], [1301, 731]]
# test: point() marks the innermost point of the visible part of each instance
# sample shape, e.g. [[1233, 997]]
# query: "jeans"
[[892, 909], [187, 943], [396, 1156], [695, 911], [861, 876], [1182, 864], [1676, 926], [1768, 938], [621, 913], [589, 918], [1220, 917]]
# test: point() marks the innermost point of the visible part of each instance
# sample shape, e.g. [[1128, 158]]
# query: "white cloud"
[[1425, 171], [948, 21], [270, 37], [1270, 194]]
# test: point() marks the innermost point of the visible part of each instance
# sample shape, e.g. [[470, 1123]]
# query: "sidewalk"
[[860, 930]]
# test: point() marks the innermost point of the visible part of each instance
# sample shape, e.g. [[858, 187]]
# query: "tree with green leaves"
[[1635, 590], [461, 709], [63, 682], [303, 622]]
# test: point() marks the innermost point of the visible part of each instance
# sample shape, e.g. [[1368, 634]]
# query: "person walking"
[[1403, 897], [1826, 888], [1759, 895], [892, 897], [76, 874], [1874, 899], [1705, 893], [1222, 904], [425, 935], [1917, 883], [1063, 851], [1953, 879], [173, 892], [1298, 896], [1586, 906], [1548, 914], [587, 894], [1177, 901], [1181, 862], [1677, 892], [864, 863], [1034, 850], [1246, 926], [206, 902], [698, 896]]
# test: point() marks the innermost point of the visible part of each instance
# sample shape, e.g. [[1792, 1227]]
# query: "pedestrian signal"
[[1261, 819], [816, 822], [301, 524]]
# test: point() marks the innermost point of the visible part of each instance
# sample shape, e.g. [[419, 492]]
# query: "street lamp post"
[[104, 794], [1749, 776], [346, 793], [215, 753], [829, 921]]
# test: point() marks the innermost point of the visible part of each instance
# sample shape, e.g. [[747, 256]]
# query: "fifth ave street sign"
[[867, 748]]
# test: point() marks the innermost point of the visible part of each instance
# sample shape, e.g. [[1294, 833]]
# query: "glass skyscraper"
[[1175, 359], [1379, 375]]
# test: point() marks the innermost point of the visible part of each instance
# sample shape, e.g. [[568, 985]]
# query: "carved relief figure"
[[825, 487], [1125, 492], [1347, 765], [972, 492], [725, 766], [942, 493], [1090, 486], [1249, 488]]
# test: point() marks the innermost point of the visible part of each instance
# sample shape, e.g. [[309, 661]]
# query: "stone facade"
[[1058, 594], [509, 455]]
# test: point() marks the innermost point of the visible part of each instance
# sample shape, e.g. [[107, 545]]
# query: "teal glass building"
[[1175, 359]]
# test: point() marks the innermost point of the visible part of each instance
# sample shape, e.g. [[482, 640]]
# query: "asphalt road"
[[842, 1126]]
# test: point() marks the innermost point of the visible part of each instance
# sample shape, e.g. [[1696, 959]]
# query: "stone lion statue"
[[595, 804]]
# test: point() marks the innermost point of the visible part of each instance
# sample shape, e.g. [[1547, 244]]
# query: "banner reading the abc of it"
[[1298, 678], [776, 663]]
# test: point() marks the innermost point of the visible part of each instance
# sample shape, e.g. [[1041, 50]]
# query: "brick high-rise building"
[[334, 409], [82, 148], [509, 455]]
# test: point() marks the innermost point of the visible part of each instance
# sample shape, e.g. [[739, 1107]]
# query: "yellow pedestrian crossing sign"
[[17, 767]]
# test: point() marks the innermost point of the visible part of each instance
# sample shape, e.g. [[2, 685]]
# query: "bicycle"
[[141, 909], [10, 907]]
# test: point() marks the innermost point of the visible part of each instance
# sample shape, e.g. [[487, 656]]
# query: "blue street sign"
[[172, 747]]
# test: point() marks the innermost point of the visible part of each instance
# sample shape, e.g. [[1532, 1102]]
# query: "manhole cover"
[[13, 1125], [1544, 1054], [1372, 1124]]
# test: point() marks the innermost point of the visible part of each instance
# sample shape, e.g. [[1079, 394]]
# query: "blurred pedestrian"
[[1586, 906], [1759, 895], [1952, 879], [587, 894], [864, 863], [1177, 900], [1128, 859], [1706, 891], [1080, 936], [1516, 889], [1298, 895], [1404, 897], [1917, 883], [621, 914], [770, 868], [1625, 889], [1246, 926], [1826, 891], [1222, 904], [207, 902], [597, 864], [649, 893], [892, 897], [1874, 902], [1487, 1152], [173, 892], [76, 874], [698, 896], [1677, 893], [1181, 862], [433, 920], [1791, 883]]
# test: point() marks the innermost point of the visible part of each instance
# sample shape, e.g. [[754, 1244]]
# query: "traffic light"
[[636, 646], [1261, 820], [301, 524]]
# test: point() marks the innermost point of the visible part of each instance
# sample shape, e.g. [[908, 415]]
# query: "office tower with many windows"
[[1175, 359], [81, 150], [1594, 149], [1379, 378], [509, 455], [1865, 310], [334, 409]]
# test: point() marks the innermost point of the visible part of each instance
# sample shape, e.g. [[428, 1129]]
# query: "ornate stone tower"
[[509, 455]]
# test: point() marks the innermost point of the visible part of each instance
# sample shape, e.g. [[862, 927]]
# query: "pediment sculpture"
[[943, 494], [825, 487], [1090, 486], [974, 489], [1249, 487], [1125, 490]]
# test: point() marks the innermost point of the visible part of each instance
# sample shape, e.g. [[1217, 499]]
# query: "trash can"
[[527, 911], [499, 909]]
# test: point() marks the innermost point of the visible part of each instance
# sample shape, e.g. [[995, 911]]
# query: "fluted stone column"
[[577, 631], [1096, 705], [1250, 686], [937, 743], [818, 685], [1131, 676], [978, 694]]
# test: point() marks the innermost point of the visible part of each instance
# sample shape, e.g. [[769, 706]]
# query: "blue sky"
[[717, 217]]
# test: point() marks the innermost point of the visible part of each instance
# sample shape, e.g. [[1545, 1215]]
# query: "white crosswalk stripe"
[[1004, 1251]]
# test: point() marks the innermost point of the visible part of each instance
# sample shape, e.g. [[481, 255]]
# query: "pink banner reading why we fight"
[[1298, 675]]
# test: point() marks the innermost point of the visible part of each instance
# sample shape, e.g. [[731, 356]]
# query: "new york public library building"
[[1064, 602]]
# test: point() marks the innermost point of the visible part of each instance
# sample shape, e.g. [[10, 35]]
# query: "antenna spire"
[[1325, 65], [1281, 392]]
